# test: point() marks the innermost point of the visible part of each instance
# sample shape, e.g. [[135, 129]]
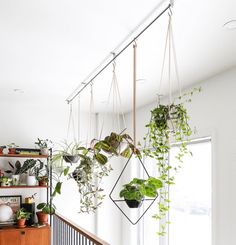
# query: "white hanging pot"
[[44, 151], [15, 179], [31, 180]]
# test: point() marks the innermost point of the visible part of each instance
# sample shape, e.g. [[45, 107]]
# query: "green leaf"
[[66, 170], [102, 159]]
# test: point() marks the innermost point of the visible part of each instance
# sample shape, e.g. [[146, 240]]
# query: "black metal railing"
[[66, 233]]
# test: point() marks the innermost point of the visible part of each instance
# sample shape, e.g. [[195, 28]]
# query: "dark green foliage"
[[14, 169], [137, 189]]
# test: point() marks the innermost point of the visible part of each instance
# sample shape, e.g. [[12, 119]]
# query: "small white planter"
[[31, 180], [44, 151], [15, 179]]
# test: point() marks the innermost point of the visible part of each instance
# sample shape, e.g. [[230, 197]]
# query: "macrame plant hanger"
[[116, 201], [71, 124], [118, 118], [91, 113]]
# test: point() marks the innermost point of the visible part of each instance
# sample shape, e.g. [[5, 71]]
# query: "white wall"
[[22, 123], [213, 113]]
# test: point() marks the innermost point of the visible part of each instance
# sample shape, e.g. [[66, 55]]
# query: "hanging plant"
[[68, 153], [92, 166], [135, 191], [116, 145], [169, 123]]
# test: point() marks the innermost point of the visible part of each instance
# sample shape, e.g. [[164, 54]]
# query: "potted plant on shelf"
[[46, 209], [22, 216], [2, 147], [31, 167], [44, 146], [15, 172], [12, 148], [137, 189], [5, 181], [33, 171]]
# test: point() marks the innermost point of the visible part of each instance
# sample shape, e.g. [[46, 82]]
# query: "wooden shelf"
[[22, 186], [24, 155]]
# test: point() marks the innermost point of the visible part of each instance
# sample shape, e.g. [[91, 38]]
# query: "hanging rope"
[[117, 111], [164, 58], [71, 123], [175, 58], [78, 119], [91, 111], [169, 67], [170, 46], [134, 91]]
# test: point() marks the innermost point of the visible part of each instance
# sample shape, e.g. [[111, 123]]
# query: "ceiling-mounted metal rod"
[[118, 54]]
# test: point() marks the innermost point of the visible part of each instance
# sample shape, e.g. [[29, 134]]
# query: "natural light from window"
[[190, 213]]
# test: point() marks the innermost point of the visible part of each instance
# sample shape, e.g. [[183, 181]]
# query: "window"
[[190, 213]]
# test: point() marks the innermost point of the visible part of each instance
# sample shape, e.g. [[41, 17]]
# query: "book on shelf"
[[31, 151]]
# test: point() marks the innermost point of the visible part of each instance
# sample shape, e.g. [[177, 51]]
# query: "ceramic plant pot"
[[43, 181], [21, 223], [31, 180], [44, 151], [11, 150], [15, 179], [42, 217]]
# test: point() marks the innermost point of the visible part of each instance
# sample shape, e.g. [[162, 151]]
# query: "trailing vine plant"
[[169, 123], [93, 166]]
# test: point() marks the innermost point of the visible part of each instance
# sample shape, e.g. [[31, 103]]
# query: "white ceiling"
[[48, 47]]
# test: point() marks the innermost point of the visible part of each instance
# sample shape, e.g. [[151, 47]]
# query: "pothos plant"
[[93, 166], [169, 123]]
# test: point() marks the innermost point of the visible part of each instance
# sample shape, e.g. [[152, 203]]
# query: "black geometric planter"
[[133, 203]]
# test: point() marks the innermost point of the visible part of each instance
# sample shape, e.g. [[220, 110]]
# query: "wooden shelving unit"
[[24, 155], [22, 186]]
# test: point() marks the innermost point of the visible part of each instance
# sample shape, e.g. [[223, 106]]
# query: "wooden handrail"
[[93, 238]]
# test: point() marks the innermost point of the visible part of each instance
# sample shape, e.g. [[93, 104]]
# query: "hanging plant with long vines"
[[169, 123]]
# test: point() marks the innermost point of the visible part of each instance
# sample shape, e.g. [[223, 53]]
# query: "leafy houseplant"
[[69, 153], [22, 216], [44, 145], [46, 209], [169, 123], [12, 148], [5, 181], [15, 172], [93, 167], [33, 167], [135, 191], [116, 144], [88, 175]]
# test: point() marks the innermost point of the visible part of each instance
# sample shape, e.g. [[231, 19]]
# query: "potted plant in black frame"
[[137, 189]]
